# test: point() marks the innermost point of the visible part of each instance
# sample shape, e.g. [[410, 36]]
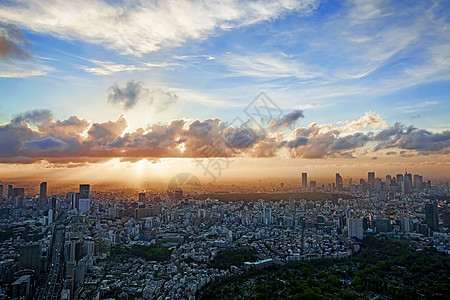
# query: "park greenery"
[[387, 269], [155, 252], [233, 257]]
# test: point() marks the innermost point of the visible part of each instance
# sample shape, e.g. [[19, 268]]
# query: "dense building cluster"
[[86, 245]]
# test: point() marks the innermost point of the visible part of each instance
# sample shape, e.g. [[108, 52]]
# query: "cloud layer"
[[78, 140], [140, 27]]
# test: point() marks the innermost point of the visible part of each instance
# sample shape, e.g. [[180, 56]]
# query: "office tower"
[[407, 179], [10, 190], [84, 205], [50, 216], [53, 203], [1, 191], [399, 178], [312, 184], [43, 194], [388, 180], [304, 181], [291, 203], [72, 198], [377, 184], [84, 200], [339, 185], [428, 184], [18, 195], [30, 257], [355, 228], [431, 216], [267, 215], [371, 179], [141, 197], [84, 191], [417, 184]]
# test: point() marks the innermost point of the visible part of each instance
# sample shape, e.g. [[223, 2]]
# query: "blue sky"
[[334, 60]]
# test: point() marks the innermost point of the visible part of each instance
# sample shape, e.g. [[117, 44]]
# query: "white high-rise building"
[[267, 215], [84, 205], [355, 227]]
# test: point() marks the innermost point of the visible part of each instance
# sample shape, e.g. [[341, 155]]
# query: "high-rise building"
[[84, 203], [388, 180], [431, 216], [417, 181], [30, 257], [407, 179], [312, 184], [1, 191], [304, 181], [141, 197], [10, 190], [355, 228], [43, 194], [84, 191], [371, 179], [18, 195], [399, 178], [339, 185], [377, 184], [267, 215]]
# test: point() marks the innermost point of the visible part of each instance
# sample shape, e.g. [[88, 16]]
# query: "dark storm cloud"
[[33, 116], [12, 42], [45, 144], [128, 95], [287, 120], [134, 91], [299, 141], [351, 141], [410, 138]]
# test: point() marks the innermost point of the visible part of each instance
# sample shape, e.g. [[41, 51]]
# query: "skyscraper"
[[43, 194], [388, 180], [431, 216], [141, 197], [10, 190], [30, 257], [267, 215], [84, 200], [339, 185], [355, 228], [371, 179], [304, 181], [84, 191], [1, 191]]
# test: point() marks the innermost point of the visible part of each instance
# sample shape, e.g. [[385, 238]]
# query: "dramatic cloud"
[[129, 95], [12, 42], [287, 120], [140, 27], [76, 140]]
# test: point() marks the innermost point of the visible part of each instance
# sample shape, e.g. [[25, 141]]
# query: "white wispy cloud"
[[109, 67], [427, 105], [105, 68], [140, 27], [269, 65], [23, 69]]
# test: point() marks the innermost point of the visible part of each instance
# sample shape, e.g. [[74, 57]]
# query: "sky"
[[144, 90]]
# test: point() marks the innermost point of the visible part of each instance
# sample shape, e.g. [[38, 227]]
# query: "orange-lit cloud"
[[35, 135]]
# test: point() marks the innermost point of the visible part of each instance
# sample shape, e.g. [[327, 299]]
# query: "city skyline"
[[115, 91]]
